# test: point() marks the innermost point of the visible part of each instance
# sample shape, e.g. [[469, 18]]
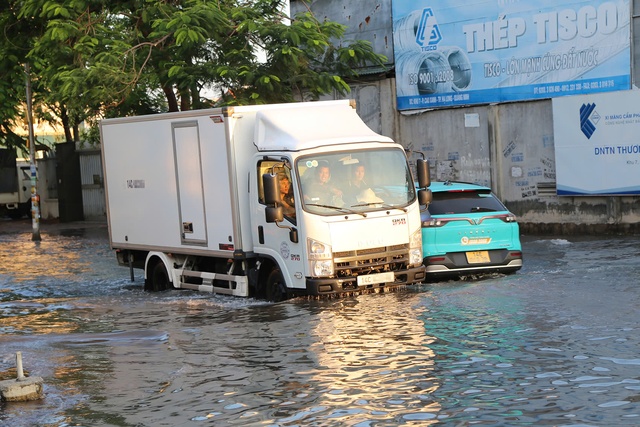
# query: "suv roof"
[[455, 185]]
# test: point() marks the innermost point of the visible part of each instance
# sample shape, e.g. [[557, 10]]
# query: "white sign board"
[[597, 144]]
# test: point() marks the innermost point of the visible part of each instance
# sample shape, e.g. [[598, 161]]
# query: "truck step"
[[238, 285]]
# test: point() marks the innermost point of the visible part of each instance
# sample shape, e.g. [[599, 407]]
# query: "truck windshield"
[[355, 181]]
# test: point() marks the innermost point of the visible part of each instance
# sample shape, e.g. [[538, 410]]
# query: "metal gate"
[[92, 179]]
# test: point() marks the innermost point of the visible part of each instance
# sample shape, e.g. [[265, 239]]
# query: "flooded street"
[[556, 344]]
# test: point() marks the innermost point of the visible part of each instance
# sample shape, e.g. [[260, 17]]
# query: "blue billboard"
[[451, 53]]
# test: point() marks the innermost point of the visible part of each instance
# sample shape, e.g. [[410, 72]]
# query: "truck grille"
[[369, 261]]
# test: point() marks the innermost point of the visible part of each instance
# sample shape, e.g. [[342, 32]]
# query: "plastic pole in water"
[[19, 370]]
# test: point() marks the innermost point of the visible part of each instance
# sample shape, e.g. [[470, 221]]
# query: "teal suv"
[[466, 230]]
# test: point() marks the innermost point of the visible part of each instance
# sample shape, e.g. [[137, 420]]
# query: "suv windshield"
[[462, 202], [355, 181]]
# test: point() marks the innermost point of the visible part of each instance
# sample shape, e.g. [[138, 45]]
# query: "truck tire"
[[22, 210], [159, 278], [276, 289]]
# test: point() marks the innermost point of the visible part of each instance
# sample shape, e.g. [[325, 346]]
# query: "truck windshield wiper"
[[479, 209], [384, 205], [337, 208]]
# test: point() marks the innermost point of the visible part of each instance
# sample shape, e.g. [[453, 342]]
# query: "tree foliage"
[[97, 58]]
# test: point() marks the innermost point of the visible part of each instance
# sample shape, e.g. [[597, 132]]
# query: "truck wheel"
[[276, 288], [22, 210], [159, 278], [15, 214]]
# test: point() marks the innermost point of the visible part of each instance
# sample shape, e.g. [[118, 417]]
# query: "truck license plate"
[[372, 279], [478, 257]]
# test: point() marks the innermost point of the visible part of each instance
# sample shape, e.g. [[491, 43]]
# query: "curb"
[[20, 226]]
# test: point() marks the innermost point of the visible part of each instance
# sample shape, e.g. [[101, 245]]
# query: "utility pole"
[[35, 198]]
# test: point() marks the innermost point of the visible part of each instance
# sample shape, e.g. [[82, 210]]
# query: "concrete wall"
[[508, 147]]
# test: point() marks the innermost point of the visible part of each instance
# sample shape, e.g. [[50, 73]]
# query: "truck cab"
[[352, 226]]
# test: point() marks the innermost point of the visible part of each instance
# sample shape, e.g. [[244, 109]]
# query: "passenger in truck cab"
[[286, 196], [320, 191], [358, 192], [356, 185]]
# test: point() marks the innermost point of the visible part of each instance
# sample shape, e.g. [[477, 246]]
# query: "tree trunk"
[[64, 116], [196, 104], [185, 100], [171, 98]]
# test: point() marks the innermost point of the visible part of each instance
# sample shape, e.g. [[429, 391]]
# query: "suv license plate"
[[478, 257], [372, 279]]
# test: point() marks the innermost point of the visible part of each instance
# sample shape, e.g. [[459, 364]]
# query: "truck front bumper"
[[330, 286]]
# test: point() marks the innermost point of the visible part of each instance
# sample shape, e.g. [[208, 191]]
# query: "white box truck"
[[257, 201]]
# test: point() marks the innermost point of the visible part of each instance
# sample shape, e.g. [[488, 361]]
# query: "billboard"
[[596, 144], [451, 53]]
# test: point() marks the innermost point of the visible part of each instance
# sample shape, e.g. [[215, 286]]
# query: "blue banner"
[[451, 53]]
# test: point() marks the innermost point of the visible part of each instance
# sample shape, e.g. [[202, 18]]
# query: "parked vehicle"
[[15, 185], [195, 199], [467, 230]]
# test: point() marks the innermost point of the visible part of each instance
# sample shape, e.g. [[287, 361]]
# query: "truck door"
[[273, 239], [186, 142]]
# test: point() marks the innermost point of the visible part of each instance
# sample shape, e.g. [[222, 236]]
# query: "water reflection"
[[39, 317], [22, 259], [374, 363], [59, 265]]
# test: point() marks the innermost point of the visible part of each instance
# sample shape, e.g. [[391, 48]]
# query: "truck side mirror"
[[274, 214], [424, 176], [425, 197], [271, 189]]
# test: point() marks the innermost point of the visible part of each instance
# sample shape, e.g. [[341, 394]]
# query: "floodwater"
[[556, 344]]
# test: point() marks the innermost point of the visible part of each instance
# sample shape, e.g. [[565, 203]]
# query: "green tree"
[[95, 58]]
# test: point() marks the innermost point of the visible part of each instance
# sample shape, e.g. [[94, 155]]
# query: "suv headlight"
[[415, 247], [320, 258]]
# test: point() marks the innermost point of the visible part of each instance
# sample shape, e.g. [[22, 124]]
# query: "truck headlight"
[[320, 258], [415, 247], [322, 268]]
